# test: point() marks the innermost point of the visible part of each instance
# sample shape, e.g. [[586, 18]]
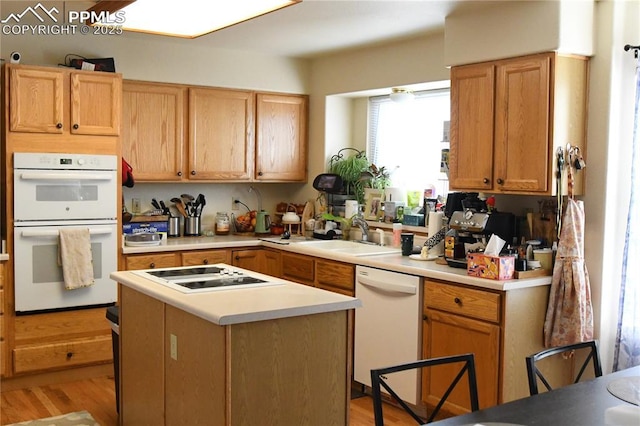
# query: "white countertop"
[[393, 262], [242, 305]]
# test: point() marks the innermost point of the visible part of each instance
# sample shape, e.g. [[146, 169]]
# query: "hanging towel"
[[75, 258]]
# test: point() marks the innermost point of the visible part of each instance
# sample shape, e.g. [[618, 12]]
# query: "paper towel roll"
[[435, 224], [350, 208]]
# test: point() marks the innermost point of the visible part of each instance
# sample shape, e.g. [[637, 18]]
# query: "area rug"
[[78, 418]]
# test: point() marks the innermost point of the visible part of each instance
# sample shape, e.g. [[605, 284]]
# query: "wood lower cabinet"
[[335, 276], [205, 257], [508, 118], [172, 361], [3, 344], [500, 328], [54, 341], [298, 268], [151, 261]]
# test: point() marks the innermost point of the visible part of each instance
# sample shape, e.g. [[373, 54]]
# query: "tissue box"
[[491, 267]]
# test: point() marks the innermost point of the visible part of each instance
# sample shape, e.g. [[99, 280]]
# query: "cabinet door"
[[96, 103], [221, 134], [150, 261], [522, 123], [298, 268], [472, 112], [153, 130], [36, 100], [271, 263], [205, 257], [281, 137], [447, 334], [335, 276], [246, 259]]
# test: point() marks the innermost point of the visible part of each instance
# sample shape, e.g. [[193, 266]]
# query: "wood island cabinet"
[[281, 137], [51, 100], [509, 117], [175, 132], [153, 130], [178, 368]]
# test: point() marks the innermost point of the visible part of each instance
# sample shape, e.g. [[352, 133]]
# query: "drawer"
[[335, 275], [62, 354], [298, 268], [469, 302], [150, 261], [205, 257]]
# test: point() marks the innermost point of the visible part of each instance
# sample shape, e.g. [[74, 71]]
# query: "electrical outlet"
[[234, 205], [174, 346], [135, 205]]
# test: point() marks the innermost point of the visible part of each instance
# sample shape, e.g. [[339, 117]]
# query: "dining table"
[[582, 403]]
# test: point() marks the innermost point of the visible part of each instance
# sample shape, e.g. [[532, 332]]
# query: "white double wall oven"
[[62, 191]]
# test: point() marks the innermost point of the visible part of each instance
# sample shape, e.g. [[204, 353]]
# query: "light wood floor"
[[97, 396]]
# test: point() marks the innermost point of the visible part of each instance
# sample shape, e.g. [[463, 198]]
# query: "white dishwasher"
[[387, 328]]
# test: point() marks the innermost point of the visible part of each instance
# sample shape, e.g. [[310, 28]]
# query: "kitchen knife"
[[155, 204]]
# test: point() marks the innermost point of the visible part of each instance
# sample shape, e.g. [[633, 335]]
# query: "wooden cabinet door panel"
[[153, 130], [246, 259], [335, 276], [221, 134], [271, 263], [96, 104], [472, 112], [36, 101], [144, 261], [206, 257], [446, 334], [281, 137], [298, 268], [522, 124]]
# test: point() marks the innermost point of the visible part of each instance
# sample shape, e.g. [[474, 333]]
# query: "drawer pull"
[[59, 126], [69, 355], [76, 127], [206, 261], [152, 265], [485, 181], [457, 301]]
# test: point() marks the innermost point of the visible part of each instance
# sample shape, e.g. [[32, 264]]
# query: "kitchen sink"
[[353, 248]]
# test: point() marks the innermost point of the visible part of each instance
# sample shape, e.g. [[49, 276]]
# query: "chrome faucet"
[[363, 225]]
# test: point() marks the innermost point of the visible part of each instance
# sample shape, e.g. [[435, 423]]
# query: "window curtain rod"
[[628, 47]]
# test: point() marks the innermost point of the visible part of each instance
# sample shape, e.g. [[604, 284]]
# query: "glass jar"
[[222, 223]]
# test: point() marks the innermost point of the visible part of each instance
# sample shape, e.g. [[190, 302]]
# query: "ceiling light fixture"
[[187, 18], [401, 95]]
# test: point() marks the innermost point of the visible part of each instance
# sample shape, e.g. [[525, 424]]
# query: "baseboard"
[[61, 376]]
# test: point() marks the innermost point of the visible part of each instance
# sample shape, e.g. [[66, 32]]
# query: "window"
[[409, 139]]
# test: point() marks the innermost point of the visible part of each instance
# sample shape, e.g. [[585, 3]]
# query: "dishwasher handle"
[[388, 286]]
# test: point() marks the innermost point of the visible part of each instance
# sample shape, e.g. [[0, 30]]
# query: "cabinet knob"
[[75, 127], [260, 173], [206, 261], [193, 172], [457, 301], [69, 355], [424, 317], [237, 257], [179, 173], [500, 181], [152, 265], [485, 180], [59, 126]]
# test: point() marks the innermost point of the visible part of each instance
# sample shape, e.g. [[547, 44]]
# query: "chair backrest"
[[534, 372], [378, 382]]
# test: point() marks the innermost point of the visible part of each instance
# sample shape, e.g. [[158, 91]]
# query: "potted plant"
[[353, 167]]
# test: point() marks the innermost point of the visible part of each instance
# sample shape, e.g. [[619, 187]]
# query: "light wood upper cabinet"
[[41, 97], [96, 104], [509, 117], [281, 137], [221, 134], [153, 129]]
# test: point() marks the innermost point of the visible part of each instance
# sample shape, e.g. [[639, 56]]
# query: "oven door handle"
[[55, 233], [65, 176]]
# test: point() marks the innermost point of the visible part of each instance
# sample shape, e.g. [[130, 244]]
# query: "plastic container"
[[397, 231]]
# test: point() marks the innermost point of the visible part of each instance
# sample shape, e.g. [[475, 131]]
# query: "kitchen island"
[[276, 354]]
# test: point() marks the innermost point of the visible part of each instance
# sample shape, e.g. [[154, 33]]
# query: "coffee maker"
[[471, 225]]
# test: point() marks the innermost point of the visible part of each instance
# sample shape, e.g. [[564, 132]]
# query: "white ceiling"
[[317, 27]]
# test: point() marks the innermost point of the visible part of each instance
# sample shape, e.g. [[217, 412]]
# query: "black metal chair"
[[378, 382], [534, 373]]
